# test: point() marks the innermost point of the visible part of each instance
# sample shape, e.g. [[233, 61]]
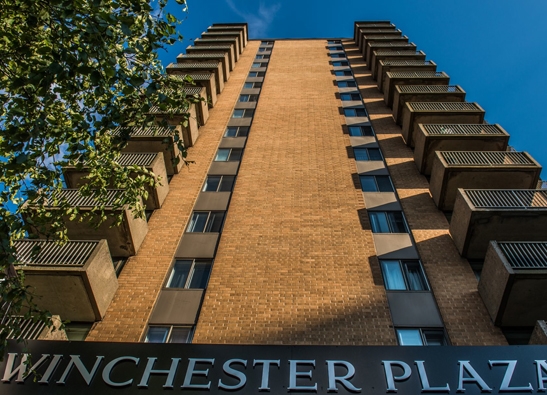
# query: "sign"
[[139, 368]]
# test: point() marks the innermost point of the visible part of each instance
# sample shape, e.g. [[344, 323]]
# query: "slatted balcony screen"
[[213, 47], [225, 39], [376, 36], [525, 255], [138, 159], [160, 131], [75, 199], [445, 106], [485, 158], [221, 33], [406, 62], [508, 199], [375, 25], [196, 65], [391, 52], [397, 44], [461, 129], [194, 76], [417, 74], [202, 55], [72, 253], [30, 329], [429, 88]]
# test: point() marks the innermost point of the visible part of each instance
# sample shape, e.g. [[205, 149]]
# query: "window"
[[403, 275], [355, 112], [206, 221], [347, 84], [262, 57], [343, 73], [248, 98], [333, 41], [355, 131], [219, 184], [340, 63], [262, 49], [169, 334], [337, 55], [387, 222], [243, 113], [421, 337], [190, 274], [376, 184], [251, 85], [256, 65], [266, 43], [236, 131], [350, 96], [257, 74], [367, 154], [334, 48], [228, 154]]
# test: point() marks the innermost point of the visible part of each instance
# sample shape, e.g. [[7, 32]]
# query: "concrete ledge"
[[378, 55], [394, 246], [177, 307], [384, 67], [197, 245], [414, 309]]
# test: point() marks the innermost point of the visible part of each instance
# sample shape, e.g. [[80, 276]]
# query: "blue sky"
[[495, 49]]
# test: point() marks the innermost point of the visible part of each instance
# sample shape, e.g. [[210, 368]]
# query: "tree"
[[71, 72]]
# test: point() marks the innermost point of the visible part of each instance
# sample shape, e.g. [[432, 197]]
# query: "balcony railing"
[[525, 255], [429, 88], [417, 74], [50, 253], [460, 130], [208, 55], [406, 62], [445, 106], [391, 52], [489, 158], [136, 159], [75, 199], [375, 25], [227, 47], [390, 44], [193, 65], [160, 131], [194, 76], [30, 329], [508, 199]]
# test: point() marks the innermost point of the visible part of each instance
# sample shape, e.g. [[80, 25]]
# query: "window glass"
[[250, 85], [262, 49], [226, 184], [179, 274], [337, 55], [409, 337], [238, 113], [340, 63], [211, 183], [333, 41], [368, 184], [215, 222], [200, 275], [367, 154], [379, 222], [360, 131], [157, 334], [384, 184], [396, 222], [181, 335], [346, 84], [374, 153], [435, 337], [415, 276], [355, 112], [236, 131], [198, 222], [350, 96], [342, 73], [235, 155], [248, 98], [222, 154], [259, 57], [256, 65], [393, 277]]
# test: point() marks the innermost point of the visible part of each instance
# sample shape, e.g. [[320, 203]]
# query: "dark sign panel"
[[135, 368]]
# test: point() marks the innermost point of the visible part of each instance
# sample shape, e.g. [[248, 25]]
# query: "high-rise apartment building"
[[343, 193]]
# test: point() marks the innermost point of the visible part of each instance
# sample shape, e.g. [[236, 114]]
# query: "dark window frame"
[[189, 275], [390, 221], [169, 335], [424, 333], [240, 131], [422, 285], [377, 154], [222, 182], [364, 130], [237, 152], [209, 224], [378, 186]]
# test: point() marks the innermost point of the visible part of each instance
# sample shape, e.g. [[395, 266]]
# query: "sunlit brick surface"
[[143, 275], [294, 263]]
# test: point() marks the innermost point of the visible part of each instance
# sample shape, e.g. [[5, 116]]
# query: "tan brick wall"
[[292, 265], [143, 275], [452, 280]]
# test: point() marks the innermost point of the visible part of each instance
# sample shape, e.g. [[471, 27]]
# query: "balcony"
[[453, 137], [386, 54], [396, 78], [231, 27], [402, 65], [124, 239], [153, 162], [476, 169], [395, 38], [213, 67], [358, 26], [376, 31], [32, 329], [155, 139], [228, 49], [176, 119], [415, 113], [423, 93], [513, 282], [226, 35], [205, 80], [199, 93], [76, 280], [481, 215], [221, 57], [393, 46]]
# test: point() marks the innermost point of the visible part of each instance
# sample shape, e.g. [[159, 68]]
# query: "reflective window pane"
[[397, 222], [415, 276], [409, 337], [374, 154], [384, 184], [368, 184], [157, 334], [198, 222], [180, 335], [378, 221], [200, 275], [226, 184], [434, 338], [215, 222], [222, 155], [231, 131], [235, 155], [211, 183], [393, 277], [179, 274], [238, 113], [360, 154]]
